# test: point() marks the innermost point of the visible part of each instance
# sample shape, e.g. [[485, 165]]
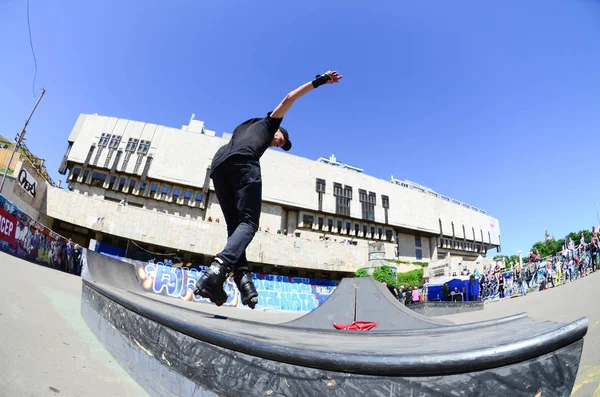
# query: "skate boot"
[[210, 285], [243, 281]]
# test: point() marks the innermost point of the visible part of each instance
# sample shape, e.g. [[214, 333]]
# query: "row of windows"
[[346, 227], [343, 196], [113, 141], [465, 233], [463, 245], [133, 186]]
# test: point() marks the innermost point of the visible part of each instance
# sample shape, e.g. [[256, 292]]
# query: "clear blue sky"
[[496, 104]]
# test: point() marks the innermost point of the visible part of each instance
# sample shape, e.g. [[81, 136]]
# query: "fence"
[[26, 238]]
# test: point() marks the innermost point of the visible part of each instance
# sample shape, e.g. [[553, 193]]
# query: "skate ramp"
[[364, 299], [172, 350]]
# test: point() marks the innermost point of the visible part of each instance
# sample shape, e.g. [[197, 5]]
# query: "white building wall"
[[181, 157]]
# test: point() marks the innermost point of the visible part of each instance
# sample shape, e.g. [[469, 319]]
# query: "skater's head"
[[282, 139]]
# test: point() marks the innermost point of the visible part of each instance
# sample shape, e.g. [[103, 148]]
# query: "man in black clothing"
[[235, 171]]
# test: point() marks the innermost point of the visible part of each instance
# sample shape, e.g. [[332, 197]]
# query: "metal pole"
[[19, 139], [598, 216]]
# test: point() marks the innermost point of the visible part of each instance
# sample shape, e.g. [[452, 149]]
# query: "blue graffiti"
[[275, 292]]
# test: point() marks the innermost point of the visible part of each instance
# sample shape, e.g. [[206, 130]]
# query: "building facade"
[[319, 217]]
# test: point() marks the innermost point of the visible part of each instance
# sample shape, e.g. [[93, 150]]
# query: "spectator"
[[415, 295]]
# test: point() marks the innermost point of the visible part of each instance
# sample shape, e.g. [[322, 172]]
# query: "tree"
[[384, 273], [412, 278], [361, 273]]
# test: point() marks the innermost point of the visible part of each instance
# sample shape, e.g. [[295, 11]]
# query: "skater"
[[235, 171]]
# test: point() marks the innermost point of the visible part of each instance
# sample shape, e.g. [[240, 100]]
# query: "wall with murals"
[[24, 237], [275, 292]]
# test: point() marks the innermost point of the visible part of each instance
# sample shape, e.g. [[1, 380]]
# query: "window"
[[98, 153], [417, 241], [342, 199], [307, 221], [356, 228], [87, 172], [111, 182], [153, 188], [98, 179], [108, 157], [365, 230], [340, 226], [187, 195], [114, 141], [176, 193], [103, 140], [337, 189], [320, 222], [121, 184], [131, 145], [198, 197], [380, 232], [142, 188], [368, 204], [385, 201], [348, 227], [144, 146], [164, 191], [138, 163], [372, 231], [389, 235], [419, 254], [132, 184], [321, 185], [75, 173], [329, 224], [125, 161]]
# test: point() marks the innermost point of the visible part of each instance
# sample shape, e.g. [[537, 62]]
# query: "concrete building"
[[318, 219]]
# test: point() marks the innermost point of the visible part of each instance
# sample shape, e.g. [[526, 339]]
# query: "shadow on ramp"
[[170, 350]]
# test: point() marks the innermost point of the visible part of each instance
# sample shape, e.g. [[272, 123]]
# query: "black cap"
[[288, 144]]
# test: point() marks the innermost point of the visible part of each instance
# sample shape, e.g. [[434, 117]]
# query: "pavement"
[[564, 303], [46, 349]]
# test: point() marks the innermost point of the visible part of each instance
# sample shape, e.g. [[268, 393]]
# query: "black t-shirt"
[[250, 139]]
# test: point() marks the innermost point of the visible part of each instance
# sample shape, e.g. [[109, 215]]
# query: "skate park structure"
[[175, 349]]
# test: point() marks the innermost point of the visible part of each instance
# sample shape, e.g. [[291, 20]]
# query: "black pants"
[[238, 185]]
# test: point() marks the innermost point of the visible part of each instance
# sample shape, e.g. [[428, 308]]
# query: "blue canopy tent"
[[434, 288]]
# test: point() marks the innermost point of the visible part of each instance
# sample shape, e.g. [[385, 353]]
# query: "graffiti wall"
[[26, 238], [275, 292]]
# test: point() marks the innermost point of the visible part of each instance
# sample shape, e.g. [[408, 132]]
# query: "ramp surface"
[[364, 299], [200, 354]]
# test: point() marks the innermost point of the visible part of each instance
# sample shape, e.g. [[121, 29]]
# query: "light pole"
[[19, 140], [597, 216], [520, 257]]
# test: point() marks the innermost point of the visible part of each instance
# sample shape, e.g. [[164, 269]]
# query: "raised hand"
[[334, 77]]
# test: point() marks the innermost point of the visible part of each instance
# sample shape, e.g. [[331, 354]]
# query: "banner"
[[8, 227], [26, 238]]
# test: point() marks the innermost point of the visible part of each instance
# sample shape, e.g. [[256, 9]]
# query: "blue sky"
[[493, 103]]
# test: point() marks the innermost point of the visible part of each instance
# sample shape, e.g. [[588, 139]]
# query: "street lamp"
[[597, 216]]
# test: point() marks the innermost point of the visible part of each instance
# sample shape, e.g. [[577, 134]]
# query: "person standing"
[[236, 174]]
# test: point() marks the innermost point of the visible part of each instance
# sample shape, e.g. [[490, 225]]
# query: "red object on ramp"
[[356, 326]]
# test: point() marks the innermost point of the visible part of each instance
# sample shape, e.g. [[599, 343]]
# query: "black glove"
[[321, 79]]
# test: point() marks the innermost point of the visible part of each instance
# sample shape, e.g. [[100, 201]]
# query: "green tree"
[[361, 273], [384, 273], [412, 278]]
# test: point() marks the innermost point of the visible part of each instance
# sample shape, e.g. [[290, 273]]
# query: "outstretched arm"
[[331, 77]]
